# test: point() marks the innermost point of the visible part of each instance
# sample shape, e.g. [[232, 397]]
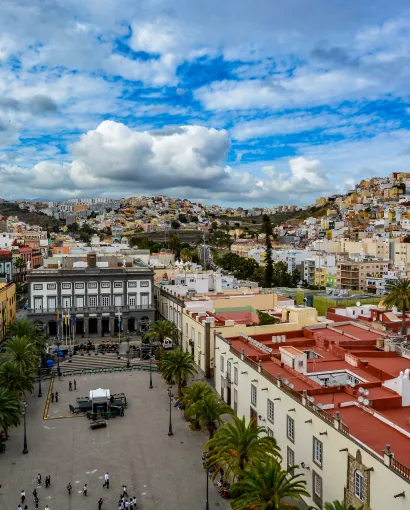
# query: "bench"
[[109, 414]]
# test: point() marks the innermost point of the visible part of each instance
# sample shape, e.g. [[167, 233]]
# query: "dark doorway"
[[105, 326], [92, 326], [79, 326], [228, 396], [254, 417], [131, 324], [52, 328]]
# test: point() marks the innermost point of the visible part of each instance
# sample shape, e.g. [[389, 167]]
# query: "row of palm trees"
[[247, 456], [21, 354]]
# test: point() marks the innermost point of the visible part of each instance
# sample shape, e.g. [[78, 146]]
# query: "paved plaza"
[[162, 472]]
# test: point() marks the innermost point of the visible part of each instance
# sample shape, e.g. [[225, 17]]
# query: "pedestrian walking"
[[19, 507], [134, 502], [127, 504], [69, 487], [85, 488], [100, 503], [38, 479], [46, 508], [56, 396], [75, 384], [35, 494], [106, 481], [52, 397], [23, 496], [36, 500], [48, 481], [124, 491], [36, 505], [70, 386]]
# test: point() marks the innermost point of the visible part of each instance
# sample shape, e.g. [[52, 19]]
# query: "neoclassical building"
[[95, 295]]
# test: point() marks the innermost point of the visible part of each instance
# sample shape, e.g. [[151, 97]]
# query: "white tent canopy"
[[100, 394]]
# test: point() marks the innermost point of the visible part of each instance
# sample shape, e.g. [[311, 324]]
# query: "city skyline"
[[239, 104]]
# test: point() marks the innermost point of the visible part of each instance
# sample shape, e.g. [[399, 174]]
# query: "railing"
[[344, 429], [92, 309], [403, 470]]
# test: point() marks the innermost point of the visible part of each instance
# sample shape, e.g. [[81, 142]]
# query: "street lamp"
[[128, 348], [58, 343], [25, 449], [170, 395], [40, 394], [150, 369], [207, 484]]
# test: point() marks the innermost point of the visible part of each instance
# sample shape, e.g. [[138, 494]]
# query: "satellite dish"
[[291, 386], [361, 400], [311, 399], [366, 392], [358, 303], [366, 402], [361, 390], [320, 406], [286, 381]]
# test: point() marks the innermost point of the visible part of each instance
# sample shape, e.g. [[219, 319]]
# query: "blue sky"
[[236, 102]]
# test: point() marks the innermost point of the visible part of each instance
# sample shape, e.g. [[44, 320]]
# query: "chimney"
[[92, 260]]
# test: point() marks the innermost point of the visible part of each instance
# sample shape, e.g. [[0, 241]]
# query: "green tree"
[[186, 255], [209, 411], [162, 329], [20, 263], [178, 366], [237, 444], [265, 486], [175, 244], [340, 505], [267, 230], [30, 330], [194, 393], [10, 412], [21, 351], [399, 296], [13, 379]]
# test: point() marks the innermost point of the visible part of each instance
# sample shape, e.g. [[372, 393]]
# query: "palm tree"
[[340, 505], [264, 486], [10, 412], [12, 378], [163, 329], [186, 255], [178, 366], [21, 351], [30, 330], [237, 444], [194, 393], [209, 411], [399, 296]]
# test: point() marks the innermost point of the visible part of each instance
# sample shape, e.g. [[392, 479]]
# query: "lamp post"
[[58, 343], [128, 348], [207, 485], [150, 369], [25, 449], [170, 395], [40, 394]]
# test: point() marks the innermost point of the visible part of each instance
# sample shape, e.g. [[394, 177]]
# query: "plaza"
[[163, 472]]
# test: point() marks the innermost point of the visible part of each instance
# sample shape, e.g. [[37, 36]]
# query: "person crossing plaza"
[[106, 481], [69, 487]]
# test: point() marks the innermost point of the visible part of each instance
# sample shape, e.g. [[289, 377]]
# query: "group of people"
[[125, 502], [70, 385]]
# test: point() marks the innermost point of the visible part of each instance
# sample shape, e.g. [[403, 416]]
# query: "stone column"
[[99, 326], [86, 328]]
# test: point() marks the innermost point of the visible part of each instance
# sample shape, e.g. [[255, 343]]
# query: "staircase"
[[101, 361]]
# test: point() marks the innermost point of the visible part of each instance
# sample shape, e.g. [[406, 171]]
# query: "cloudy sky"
[[252, 102]]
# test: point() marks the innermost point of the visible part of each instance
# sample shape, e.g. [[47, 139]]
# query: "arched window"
[[359, 485]]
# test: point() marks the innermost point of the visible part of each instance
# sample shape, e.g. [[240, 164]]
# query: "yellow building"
[[7, 307], [320, 276], [321, 201]]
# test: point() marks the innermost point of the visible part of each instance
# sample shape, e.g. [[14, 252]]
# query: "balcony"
[[91, 309]]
